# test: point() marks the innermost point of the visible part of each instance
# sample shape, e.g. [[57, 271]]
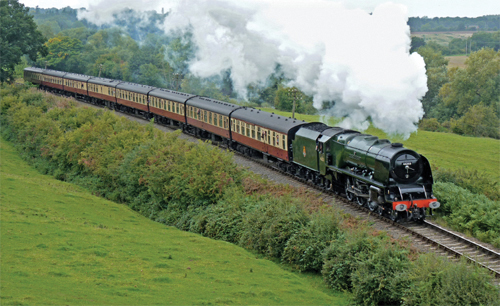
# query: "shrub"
[[468, 212], [224, 221], [431, 124], [304, 249], [435, 281], [381, 278], [472, 180], [341, 258], [269, 224]]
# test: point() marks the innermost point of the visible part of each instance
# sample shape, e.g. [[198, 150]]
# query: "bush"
[[472, 180], [381, 278], [223, 221], [435, 281], [469, 213], [431, 124], [341, 258], [304, 249], [269, 224]]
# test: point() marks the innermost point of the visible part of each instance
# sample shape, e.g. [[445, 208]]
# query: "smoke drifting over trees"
[[360, 61]]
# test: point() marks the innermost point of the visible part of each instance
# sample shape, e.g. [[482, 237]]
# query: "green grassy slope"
[[61, 245], [444, 150]]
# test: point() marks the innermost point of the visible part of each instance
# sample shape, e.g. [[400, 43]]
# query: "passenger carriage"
[[102, 91], [209, 117], [76, 84], [268, 133], [167, 106]]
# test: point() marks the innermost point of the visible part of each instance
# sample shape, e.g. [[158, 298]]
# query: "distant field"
[[62, 246], [456, 61], [444, 150], [442, 37]]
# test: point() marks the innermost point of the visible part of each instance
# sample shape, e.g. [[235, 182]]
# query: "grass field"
[[442, 38], [62, 246], [456, 61], [444, 150]]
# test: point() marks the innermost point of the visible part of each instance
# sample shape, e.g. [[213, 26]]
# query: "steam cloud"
[[360, 61]]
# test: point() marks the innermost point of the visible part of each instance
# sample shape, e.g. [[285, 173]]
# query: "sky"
[[416, 8]]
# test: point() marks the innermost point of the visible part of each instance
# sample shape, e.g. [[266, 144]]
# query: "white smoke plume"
[[358, 59]]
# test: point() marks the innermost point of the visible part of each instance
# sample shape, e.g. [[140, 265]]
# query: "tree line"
[[438, 24]]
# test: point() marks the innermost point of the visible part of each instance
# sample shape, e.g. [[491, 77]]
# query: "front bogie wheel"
[[393, 215], [372, 205]]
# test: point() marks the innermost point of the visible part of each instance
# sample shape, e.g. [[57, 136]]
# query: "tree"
[[416, 42], [49, 29], [284, 101], [61, 50], [436, 70], [149, 74], [19, 35], [478, 83], [485, 40], [479, 121]]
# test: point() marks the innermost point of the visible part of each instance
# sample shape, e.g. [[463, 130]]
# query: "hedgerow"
[[196, 187]]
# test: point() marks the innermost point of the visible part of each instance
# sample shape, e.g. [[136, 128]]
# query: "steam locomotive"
[[385, 177]]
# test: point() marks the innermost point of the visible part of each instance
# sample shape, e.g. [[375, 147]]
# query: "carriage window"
[[258, 134], [220, 121], [284, 145], [274, 139], [248, 130], [253, 132]]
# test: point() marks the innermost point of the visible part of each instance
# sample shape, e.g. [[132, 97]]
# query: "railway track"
[[459, 246], [434, 237]]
